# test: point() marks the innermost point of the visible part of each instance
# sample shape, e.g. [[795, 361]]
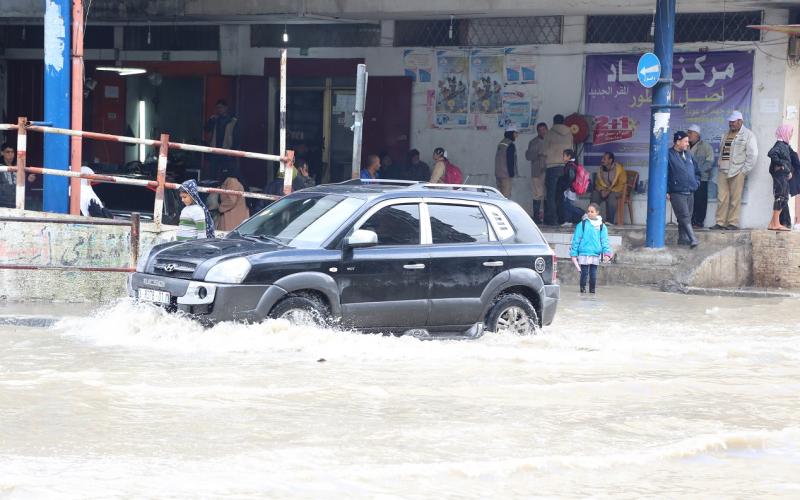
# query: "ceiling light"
[[122, 71]]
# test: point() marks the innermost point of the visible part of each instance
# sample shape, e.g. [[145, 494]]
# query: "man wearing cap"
[[737, 157], [703, 155], [505, 161], [683, 179]]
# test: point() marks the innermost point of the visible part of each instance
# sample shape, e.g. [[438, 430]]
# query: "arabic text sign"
[[711, 85], [649, 70]]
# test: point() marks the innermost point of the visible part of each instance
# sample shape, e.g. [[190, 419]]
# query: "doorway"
[[318, 120]]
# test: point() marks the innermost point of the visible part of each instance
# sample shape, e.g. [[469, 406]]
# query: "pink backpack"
[[452, 174], [581, 183]]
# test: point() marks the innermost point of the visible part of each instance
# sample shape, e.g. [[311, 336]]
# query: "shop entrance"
[[318, 126]]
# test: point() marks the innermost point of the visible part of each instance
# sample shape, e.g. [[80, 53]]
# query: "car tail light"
[[555, 269]]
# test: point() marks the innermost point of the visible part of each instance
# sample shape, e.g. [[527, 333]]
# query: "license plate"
[[156, 296]]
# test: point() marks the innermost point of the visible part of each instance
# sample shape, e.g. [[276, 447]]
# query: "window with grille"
[[316, 35], [188, 37], [694, 27], [479, 32]]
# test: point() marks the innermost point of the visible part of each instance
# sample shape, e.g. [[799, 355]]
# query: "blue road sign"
[[649, 70]]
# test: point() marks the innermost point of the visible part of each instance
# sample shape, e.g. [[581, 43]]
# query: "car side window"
[[458, 224], [396, 225]]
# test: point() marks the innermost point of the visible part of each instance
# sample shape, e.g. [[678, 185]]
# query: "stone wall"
[[69, 244], [776, 259]]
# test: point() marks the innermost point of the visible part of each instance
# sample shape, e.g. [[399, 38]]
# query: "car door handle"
[[414, 266], [493, 263]]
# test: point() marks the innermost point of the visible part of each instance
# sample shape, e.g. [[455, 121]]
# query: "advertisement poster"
[[486, 82], [710, 84], [452, 90], [418, 65], [517, 110], [520, 66]]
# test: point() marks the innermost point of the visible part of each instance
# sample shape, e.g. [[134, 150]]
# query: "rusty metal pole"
[[135, 225], [76, 143], [163, 153], [358, 121], [282, 133], [22, 159]]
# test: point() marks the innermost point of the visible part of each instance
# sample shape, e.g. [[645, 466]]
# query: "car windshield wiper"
[[262, 237]]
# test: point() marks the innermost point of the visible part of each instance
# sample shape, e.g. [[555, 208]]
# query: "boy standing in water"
[[589, 244]]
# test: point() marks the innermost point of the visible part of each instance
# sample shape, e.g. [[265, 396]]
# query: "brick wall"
[[776, 259]]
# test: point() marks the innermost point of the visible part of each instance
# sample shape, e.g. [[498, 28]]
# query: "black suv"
[[387, 256]]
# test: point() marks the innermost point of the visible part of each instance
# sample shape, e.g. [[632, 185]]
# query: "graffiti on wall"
[[64, 245]]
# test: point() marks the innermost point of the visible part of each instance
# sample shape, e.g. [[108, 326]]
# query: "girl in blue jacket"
[[589, 245]]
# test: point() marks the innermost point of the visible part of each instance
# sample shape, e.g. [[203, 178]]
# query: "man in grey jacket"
[[537, 156], [703, 155], [738, 154], [556, 141]]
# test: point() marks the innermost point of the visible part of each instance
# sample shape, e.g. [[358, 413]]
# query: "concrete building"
[[197, 51]]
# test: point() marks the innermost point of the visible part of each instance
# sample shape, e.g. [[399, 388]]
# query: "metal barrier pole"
[[358, 114], [163, 152], [77, 105], [135, 226], [22, 158], [282, 134]]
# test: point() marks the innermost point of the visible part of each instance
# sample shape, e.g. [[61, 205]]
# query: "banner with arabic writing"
[[711, 84]]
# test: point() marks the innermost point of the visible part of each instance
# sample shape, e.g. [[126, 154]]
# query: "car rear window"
[[458, 224]]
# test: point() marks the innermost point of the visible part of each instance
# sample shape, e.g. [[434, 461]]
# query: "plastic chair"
[[626, 198]]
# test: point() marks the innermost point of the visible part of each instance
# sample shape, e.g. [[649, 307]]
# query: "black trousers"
[[588, 271], [700, 205], [553, 197], [682, 205]]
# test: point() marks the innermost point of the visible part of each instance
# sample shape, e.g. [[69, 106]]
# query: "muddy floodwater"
[[633, 393]]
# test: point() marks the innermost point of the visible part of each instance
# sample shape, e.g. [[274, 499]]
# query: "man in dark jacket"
[[683, 179]]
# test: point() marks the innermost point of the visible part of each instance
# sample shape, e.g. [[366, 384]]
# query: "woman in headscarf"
[[90, 202], [780, 168], [195, 221], [232, 209]]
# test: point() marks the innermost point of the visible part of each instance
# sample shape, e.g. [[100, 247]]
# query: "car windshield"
[[304, 221]]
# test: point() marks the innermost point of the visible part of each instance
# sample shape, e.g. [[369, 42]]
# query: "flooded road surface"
[[631, 394]]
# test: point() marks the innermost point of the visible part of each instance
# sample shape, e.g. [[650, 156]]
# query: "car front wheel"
[[301, 309], [512, 313]]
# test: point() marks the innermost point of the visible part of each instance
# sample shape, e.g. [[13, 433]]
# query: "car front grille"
[[174, 268]]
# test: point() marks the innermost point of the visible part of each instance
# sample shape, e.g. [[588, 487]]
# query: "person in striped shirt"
[[195, 220]]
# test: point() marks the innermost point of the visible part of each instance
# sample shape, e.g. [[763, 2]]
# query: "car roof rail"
[[464, 187], [380, 182]]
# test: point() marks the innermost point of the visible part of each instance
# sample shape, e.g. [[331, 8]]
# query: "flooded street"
[[629, 394]]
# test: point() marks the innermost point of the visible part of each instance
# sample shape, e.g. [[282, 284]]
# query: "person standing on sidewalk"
[[558, 138], [505, 161], [703, 155], [537, 156], [737, 157], [683, 179]]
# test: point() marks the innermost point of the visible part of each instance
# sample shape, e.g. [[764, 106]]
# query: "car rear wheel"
[[512, 313], [302, 309]]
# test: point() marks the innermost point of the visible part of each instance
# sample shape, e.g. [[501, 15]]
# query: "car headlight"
[[142, 262], [229, 271]]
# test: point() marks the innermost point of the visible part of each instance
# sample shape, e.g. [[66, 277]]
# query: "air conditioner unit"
[[794, 48]]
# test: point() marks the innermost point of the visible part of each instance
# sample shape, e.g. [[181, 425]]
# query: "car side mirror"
[[362, 238]]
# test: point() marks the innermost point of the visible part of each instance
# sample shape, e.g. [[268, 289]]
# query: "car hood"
[[193, 258]]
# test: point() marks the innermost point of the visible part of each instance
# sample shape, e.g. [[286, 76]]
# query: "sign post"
[[649, 71]]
